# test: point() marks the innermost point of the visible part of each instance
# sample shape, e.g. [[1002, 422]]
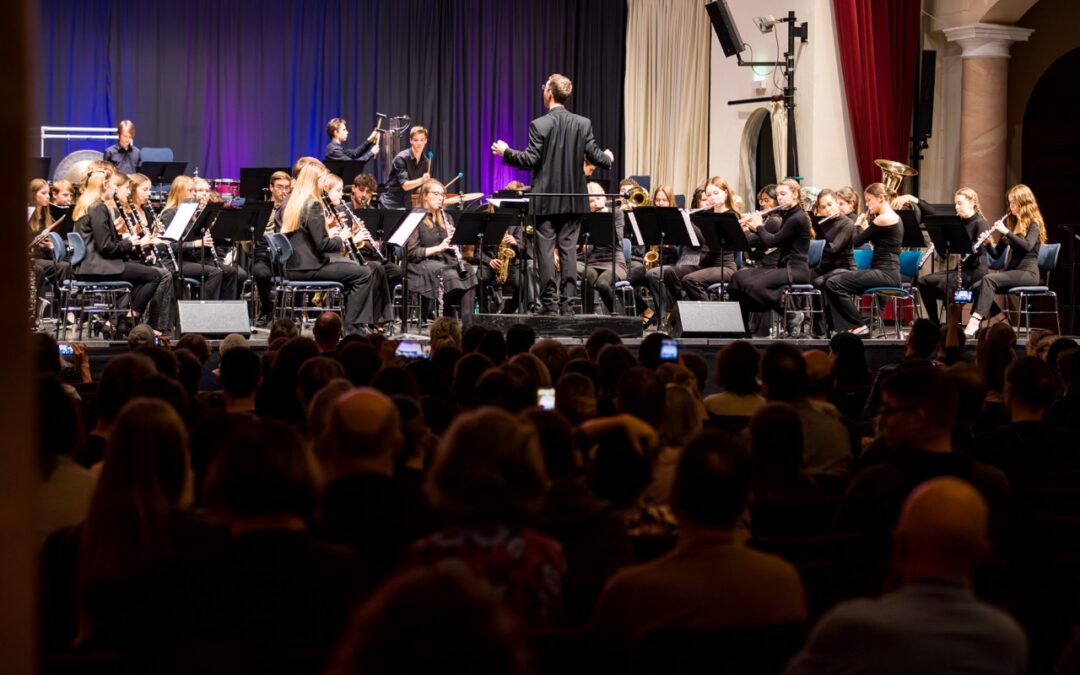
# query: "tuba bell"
[[893, 173]]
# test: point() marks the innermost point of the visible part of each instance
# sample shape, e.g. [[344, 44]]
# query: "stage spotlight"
[[765, 23]]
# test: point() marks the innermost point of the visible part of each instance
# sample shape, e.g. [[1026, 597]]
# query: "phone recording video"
[[669, 350], [545, 398]]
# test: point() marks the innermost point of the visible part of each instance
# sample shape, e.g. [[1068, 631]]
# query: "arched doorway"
[[757, 164], [1050, 164]]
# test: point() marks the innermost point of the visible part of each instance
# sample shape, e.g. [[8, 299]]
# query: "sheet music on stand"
[[639, 239], [500, 202], [180, 221], [405, 229]]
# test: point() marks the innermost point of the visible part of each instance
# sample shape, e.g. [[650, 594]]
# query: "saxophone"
[[505, 254], [652, 257]]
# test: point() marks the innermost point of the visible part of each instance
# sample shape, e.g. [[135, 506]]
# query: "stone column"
[[983, 130]]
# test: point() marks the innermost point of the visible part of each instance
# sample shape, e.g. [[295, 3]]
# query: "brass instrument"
[[505, 254], [637, 196], [894, 173]]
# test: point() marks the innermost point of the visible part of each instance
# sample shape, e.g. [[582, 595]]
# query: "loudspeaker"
[[214, 318], [709, 319], [725, 28], [924, 115]]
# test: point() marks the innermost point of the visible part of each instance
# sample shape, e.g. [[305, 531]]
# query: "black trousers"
[[843, 291], [696, 284], [382, 300], [932, 288], [51, 272], [820, 277], [552, 230], [513, 285], [263, 273], [144, 280], [211, 277], [999, 282], [638, 278], [357, 280], [601, 278]]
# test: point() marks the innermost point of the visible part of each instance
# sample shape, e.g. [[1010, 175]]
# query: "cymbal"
[[471, 196]]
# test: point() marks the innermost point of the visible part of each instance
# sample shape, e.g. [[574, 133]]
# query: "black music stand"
[[402, 237], [347, 170], [721, 231], [255, 182], [659, 226], [196, 230], [162, 172], [949, 236], [473, 227], [514, 203], [597, 229], [236, 225], [912, 237]]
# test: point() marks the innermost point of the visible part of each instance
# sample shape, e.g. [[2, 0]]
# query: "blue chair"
[[643, 181], [1048, 258], [288, 291], [716, 291], [895, 296], [812, 295], [863, 256], [87, 295], [156, 154]]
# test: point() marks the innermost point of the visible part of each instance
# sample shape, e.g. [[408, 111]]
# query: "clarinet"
[[459, 262], [133, 228], [367, 241], [157, 228], [332, 209]]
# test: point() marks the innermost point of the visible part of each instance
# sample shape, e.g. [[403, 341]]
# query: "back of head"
[[364, 423], [819, 373], [783, 372], [520, 337], [232, 341], [575, 397], [737, 367], [165, 389], [327, 330], [282, 328], [993, 358], [554, 355], [471, 338], [118, 382], [534, 368], [928, 390], [445, 329], [712, 481], [556, 442], [641, 394], [197, 344], [425, 618], [140, 335], [493, 346], [614, 362], [587, 368], [971, 392], [682, 414], [361, 362], [188, 370], [923, 339], [649, 350], [599, 339], [59, 423], [942, 531], [488, 466], [430, 378], [849, 354], [697, 365], [619, 472], [263, 469], [46, 354], [467, 373], [318, 411], [396, 381], [241, 371], [314, 375], [776, 444], [1030, 382]]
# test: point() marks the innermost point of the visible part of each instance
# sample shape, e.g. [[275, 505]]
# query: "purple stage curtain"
[[232, 84], [879, 44]]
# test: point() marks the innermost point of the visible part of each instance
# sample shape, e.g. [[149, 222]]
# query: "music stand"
[[347, 170], [721, 231], [949, 236], [512, 202], [197, 229], [660, 226], [403, 229], [912, 237], [162, 172], [473, 227], [255, 182], [597, 229], [239, 224]]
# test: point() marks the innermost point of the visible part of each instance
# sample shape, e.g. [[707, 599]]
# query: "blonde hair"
[[302, 162], [179, 191], [972, 196], [418, 130], [330, 181], [428, 220], [880, 191], [729, 200], [91, 194], [305, 190], [1029, 212], [560, 87]]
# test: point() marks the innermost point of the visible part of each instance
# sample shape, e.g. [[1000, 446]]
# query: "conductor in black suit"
[[558, 142]]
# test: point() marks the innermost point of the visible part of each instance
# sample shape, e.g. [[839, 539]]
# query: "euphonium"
[[505, 254], [893, 173]]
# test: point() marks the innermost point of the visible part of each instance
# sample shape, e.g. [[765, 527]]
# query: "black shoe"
[[123, 326]]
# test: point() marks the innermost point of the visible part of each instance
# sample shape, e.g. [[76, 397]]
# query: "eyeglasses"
[[437, 194]]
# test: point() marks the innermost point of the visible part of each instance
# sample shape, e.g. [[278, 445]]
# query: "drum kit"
[[228, 188]]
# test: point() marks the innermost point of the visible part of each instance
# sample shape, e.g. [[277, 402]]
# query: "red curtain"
[[879, 54]]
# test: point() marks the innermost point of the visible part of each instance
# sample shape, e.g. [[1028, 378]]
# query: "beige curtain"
[[667, 92]]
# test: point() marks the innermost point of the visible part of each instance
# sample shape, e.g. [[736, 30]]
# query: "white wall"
[[826, 155]]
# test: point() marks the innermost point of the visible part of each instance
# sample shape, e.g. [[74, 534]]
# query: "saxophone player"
[[500, 270]]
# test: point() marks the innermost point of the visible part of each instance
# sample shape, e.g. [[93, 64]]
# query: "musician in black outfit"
[[558, 142], [362, 196], [757, 289], [408, 171], [261, 267], [106, 252], [713, 266], [338, 131], [838, 231], [1023, 232], [191, 265], [881, 227], [761, 255], [973, 268], [433, 264], [316, 250], [598, 273], [123, 153]]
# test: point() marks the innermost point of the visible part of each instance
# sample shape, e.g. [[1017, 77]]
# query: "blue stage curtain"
[[232, 84]]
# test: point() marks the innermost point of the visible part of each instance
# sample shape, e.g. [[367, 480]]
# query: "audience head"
[[776, 447], [712, 481], [783, 373], [232, 341], [140, 335], [1069, 368], [993, 356], [649, 350], [188, 371], [364, 430], [122, 375], [1030, 387], [467, 373], [241, 372], [556, 434], [1056, 349], [470, 339], [942, 531], [737, 367], [520, 337], [535, 369], [820, 379], [161, 388], [361, 361], [493, 346], [614, 362], [59, 428], [396, 381], [165, 361], [918, 408], [318, 412], [619, 472], [553, 354], [970, 393], [445, 331], [327, 331], [697, 365], [599, 339], [488, 466], [640, 393], [922, 341], [575, 398], [283, 328], [683, 414], [849, 354], [197, 345], [313, 376]]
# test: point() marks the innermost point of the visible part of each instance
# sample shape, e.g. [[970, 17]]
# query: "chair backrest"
[[739, 260], [863, 256], [59, 248], [643, 181], [271, 247], [1048, 257], [680, 201], [78, 248], [817, 249], [909, 264], [284, 247], [626, 250], [156, 154]]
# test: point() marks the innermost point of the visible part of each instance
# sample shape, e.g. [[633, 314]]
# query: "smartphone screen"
[[961, 296], [408, 349], [669, 350], [545, 398], [66, 349]]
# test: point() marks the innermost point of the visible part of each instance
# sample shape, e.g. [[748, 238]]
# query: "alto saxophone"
[[652, 257], [505, 254]]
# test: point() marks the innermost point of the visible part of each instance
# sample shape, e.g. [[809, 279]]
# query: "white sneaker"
[[972, 325]]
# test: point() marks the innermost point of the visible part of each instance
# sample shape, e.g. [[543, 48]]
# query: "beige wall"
[[826, 156]]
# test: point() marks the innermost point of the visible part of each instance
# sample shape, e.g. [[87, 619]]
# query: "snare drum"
[[228, 188]]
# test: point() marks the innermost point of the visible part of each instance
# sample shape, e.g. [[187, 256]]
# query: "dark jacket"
[[105, 249], [311, 244]]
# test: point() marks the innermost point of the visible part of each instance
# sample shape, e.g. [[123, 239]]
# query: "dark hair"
[[198, 345], [164, 360], [641, 394], [327, 328], [737, 367], [520, 337], [618, 472], [556, 441], [993, 357], [165, 389], [649, 350], [431, 379], [776, 447], [575, 397], [1056, 349], [614, 362], [928, 389], [365, 181], [59, 426], [46, 354], [923, 338], [712, 481], [534, 368], [361, 362], [396, 381], [971, 392], [783, 372], [587, 368], [122, 374], [554, 355], [1031, 382], [471, 337], [282, 328], [277, 397], [493, 346], [850, 354], [467, 373], [599, 339], [697, 365], [263, 469], [188, 371], [314, 374], [241, 371]]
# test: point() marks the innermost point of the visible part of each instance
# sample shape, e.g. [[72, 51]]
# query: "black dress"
[[932, 286], [424, 272], [107, 257], [842, 290], [1021, 269], [757, 289]]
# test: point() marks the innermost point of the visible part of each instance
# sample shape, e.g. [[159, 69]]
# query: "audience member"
[[1065, 412], [313, 376], [520, 338], [920, 349], [118, 382], [575, 398], [493, 346], [737, 367], [445, 331], [535, 368], [327, 332], [552, 354], [776, 457], [66, 487], [598, 340], [396, 381], [361, 362]]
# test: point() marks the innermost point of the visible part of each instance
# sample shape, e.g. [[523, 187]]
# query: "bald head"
[[943, 530], [366, 426]]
